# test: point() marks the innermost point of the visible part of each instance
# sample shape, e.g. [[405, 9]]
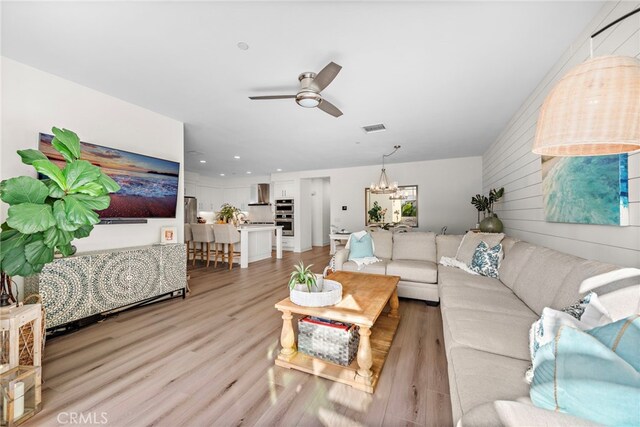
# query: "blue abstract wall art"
[[586, 190]]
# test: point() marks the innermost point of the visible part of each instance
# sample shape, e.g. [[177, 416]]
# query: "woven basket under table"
[[326, 342]]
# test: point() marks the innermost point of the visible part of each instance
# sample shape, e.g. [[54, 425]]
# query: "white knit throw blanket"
[[452, 262]]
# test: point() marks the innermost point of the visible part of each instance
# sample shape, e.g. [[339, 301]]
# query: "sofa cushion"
[[542, 276], [570, 290], [484, 300], [414, 271], [375, 268], [383, 243], [483, 377], [451, 276], [447, 245], [470, 242], [514, 260], [414, 246], [507, 244], [499, 333], [510, 413]]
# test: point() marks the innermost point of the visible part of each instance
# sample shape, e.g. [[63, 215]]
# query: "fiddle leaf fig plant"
[[46, 215]]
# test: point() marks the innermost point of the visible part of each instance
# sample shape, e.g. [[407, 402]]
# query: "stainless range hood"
[[263, 191]]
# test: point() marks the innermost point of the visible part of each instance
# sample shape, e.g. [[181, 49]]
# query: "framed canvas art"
[[586, 190]]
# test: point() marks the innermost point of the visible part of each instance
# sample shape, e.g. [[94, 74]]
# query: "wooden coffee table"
[[364, 296]]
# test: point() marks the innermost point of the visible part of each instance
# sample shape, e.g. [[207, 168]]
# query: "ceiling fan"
[[311, 84]]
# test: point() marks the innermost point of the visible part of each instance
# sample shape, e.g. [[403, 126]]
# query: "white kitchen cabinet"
[[190, 188], [209, 198], [284, 189]]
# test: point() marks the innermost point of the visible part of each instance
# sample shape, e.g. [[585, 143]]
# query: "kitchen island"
[[256, 242]]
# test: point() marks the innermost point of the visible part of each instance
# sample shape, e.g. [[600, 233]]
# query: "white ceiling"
[[443, 77]]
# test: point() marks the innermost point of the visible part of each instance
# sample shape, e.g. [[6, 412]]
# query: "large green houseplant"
[[45, 216]]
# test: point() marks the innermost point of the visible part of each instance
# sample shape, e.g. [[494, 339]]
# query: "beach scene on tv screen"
[[149, 186]]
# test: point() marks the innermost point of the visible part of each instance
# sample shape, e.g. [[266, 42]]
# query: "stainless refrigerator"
[[190, 210]]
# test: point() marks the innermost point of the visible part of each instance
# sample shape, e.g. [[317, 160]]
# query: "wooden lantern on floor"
[[20, 336], [20, 396]]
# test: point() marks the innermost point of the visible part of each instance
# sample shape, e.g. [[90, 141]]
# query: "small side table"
[[335, 238]]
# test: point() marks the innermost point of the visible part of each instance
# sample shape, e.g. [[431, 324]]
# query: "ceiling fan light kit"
[[311, 84], [594, 109]]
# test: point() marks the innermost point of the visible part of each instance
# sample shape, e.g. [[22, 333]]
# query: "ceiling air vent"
[[374, 128]]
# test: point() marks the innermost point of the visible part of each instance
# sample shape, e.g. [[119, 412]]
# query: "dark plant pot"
[[491, 224]]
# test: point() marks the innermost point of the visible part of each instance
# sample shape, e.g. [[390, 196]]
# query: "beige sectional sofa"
[[411, 255], [486, 320]]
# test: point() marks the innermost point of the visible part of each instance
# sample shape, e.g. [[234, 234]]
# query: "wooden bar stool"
[[203, 234], [188, 239], [225, 234]]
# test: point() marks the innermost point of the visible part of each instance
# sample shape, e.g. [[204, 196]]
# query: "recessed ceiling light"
[[221, 174], [203, 161], [279, 170], [236, 157], [243, 46], [249, 172]]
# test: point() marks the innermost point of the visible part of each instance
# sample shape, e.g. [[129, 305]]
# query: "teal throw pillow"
[[360, 248], [577, 374], [486, 260], [623, 338]]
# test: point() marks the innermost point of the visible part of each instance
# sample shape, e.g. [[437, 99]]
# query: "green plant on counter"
[[302, 275], [45, 216], [227, 212]]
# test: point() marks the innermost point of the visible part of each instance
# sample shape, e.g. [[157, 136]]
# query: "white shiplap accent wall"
[[509, 162]]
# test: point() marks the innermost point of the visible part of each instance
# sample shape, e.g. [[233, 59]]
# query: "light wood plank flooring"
[[208, 360]]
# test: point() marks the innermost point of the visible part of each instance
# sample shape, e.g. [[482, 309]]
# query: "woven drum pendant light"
[[593, 110]]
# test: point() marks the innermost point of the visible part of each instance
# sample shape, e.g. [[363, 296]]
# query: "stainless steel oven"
[[286, 221], [284, 206]]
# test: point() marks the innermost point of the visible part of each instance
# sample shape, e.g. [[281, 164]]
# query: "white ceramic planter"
[[328, 292]]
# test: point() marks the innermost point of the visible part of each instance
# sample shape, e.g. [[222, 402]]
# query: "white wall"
[[34, 101], [509, 162], [445, 188], [320, 211]]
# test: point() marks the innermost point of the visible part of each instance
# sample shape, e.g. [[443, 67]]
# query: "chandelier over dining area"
[[384, 186]]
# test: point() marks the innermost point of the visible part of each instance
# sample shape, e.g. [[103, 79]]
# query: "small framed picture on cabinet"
[[169, 235]]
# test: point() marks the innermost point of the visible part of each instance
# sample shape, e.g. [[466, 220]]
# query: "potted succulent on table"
[[312, 290], [44, 216]]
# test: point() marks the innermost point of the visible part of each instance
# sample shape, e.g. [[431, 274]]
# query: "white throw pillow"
[[470, 242]]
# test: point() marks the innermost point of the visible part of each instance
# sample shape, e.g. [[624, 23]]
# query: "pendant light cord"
[[395, 148], [597, 33]]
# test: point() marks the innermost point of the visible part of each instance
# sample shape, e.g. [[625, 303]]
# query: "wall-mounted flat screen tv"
[[149, 185]]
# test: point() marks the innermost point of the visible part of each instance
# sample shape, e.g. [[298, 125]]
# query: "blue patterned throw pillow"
[[486, 260]]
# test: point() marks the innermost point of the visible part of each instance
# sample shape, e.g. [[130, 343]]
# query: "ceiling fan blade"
[[272, 97], [325, 76], [328, 107]]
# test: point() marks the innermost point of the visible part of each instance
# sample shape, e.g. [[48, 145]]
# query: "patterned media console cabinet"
[[91, 283]]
